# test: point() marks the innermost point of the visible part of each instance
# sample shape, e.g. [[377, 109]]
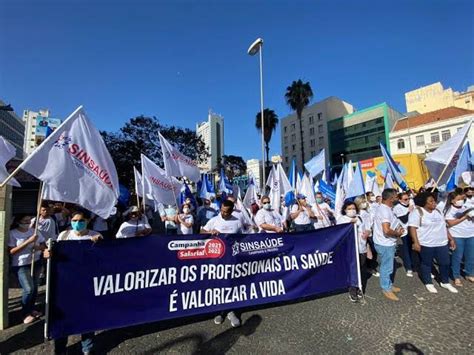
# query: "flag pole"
[[359, 278], [38, 209], [49, 244]]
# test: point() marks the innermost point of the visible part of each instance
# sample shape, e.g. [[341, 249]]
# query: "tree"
[[234, 165], [270, 121], [298, 96], [140, 135]]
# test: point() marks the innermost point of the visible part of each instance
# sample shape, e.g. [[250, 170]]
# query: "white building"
[[37, 126], [315, 130], [212, 133], [254, 167], [12, 129], [424, 133]]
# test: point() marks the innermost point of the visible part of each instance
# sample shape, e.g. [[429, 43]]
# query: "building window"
[[286, 159], [379, 121], [293, 127], [311, 131], [293, 147], [401, 144], [313, 142], [321, 140], [286, 150], [435, 137], [285, 129], [445, 135], [420, 141], [311, 119], [320, 128], [285, 139], [293, 137], [320, 116]]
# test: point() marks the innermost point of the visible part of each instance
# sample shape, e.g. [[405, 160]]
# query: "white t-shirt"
[[399, 211], [226, 226], [71, 235], [268, 217], [367, 219], [373, 206], [303, 217], [47, 226], [430, 228], [465, 229], [322, 211], [169, 212], [129, 229], [23, 257], [360, 226], [384, 214], [182, 229]]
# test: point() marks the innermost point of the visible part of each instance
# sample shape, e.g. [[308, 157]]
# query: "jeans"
[[87, 343], [387, 260], [29, 285], [407, 255], [464, 247], [304, 227], [441, 254]]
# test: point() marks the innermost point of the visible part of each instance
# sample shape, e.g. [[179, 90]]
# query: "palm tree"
[[270, 121], [298, 96]]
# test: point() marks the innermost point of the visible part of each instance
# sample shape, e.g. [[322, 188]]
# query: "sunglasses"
[[266, 203]]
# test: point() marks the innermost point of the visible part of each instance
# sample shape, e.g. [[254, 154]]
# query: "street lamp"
[[342, 158], [256, 47]]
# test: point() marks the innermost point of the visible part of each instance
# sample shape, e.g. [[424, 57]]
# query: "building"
[[38, 125], [434, 97], [254, 167], [424, 133], [314, 127], [212, 133], [356, 136], [12, 129]]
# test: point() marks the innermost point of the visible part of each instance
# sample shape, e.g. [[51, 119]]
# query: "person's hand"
[[354, 220], [400, 231], [96, 238], [416, 247], [452, 244], [47, 253], [279, 230], [32, 239], [214, 233]]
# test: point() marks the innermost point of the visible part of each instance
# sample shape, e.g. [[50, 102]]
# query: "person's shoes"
[[449, 287], [396, 289], [409, 273], [432, 276], [375, 273], [353, 297], [36, 314], [234, 320], [29, 319], [360, 295], [431, 288], [218, 319], [457, 282], [390, 295], [470, 278]]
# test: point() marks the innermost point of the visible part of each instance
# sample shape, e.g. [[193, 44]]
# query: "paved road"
[[419, 323]]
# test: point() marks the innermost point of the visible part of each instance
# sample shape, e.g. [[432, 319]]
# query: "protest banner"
[[119, 283]]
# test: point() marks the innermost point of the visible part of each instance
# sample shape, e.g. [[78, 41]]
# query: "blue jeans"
[[441, 254], [29, 286], [407, 255], [87, 343], [464, 247], [387, 260]]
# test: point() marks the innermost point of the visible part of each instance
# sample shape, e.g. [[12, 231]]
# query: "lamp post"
[[256, 47], [342, 158]]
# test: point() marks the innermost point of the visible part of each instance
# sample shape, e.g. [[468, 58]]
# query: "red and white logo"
[[198, 249]]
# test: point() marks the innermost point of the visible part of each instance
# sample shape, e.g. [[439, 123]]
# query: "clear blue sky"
[[177, 59]]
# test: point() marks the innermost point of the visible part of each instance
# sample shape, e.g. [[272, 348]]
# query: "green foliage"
[[270, 122]]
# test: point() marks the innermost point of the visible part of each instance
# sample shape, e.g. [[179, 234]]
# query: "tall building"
[[212, 133], [434, 97], [356, 136], [424, 133], [12, 129], [314, 126], [38, 125], [254, 166]]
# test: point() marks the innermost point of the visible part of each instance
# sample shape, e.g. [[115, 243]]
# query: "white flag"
[[7, 152], [164, 189], [140, 186], [274, 183], [250, 195], [178, 164], [307, 189], [75, 163], [369, 182]]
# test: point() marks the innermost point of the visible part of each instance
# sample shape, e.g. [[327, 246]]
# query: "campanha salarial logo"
[[198, 249], [257, 246]]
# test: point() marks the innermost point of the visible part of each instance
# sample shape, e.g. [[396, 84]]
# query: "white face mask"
[[363, 205], [351, 213], [373, 199], [459, 203], [267, 206]]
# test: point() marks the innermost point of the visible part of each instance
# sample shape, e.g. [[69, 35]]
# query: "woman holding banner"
[[136, 226], [23, 244]]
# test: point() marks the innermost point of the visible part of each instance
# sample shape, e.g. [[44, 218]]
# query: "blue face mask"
[[78, 225]]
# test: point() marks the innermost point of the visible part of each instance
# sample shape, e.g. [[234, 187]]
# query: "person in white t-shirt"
[[350, 214], [267, 219], [47, 225], [322, 212], [224, 223], [460, 220], [185, 220], [136, 226], [21, 244], [301, 214], [386, 231], [430, 237], [401, 210]]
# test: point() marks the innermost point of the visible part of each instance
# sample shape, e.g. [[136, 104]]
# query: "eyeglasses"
[[78, 220], [404, 199]]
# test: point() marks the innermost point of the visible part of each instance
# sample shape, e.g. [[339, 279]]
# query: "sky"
[[177, 59]]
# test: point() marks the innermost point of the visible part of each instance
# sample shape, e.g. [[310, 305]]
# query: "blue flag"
[[225, 187], [293, 177], [356, 186], [186, 193], [317, 164], [392, 168]]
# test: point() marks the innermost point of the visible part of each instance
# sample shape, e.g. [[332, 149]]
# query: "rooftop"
[[430, 117]]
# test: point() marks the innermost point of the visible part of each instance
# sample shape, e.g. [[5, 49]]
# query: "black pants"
[[363, 274]]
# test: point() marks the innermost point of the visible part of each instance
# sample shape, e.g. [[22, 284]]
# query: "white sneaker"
[[218, 319], [432, 276], [449, 287], [376, 274], [234, 321], [431, 288], [409, 273]]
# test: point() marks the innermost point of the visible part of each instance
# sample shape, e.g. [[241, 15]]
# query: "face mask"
[[363, 205], [373, 199], [351, 213], [78, 225], [24, 225], [319, 200], [459, 203], [185, 210], [267, 206]]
